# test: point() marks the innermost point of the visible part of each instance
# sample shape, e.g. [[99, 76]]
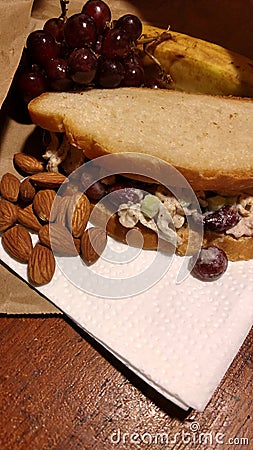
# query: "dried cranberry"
[[120, 193], [222, 219]]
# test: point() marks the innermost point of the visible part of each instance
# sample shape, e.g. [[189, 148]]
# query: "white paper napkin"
[[180, 338]]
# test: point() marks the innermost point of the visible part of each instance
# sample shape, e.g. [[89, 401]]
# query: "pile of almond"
[[33, 206]]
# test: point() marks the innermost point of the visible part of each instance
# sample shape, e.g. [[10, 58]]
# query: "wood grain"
[[61, 390]]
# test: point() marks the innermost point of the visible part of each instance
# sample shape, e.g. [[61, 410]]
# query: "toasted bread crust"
[[235, 249]]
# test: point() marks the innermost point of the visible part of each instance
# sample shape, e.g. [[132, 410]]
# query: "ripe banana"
[[195, 65]]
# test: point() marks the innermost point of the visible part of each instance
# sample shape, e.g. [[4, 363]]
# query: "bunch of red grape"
[[84, 50]]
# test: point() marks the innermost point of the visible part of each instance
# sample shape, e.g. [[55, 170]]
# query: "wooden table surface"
[[61, 390]]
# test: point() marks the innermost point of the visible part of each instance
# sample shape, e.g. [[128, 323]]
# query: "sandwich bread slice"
[[208, 139]]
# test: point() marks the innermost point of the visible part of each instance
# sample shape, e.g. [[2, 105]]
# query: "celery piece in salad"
[[150, 205]]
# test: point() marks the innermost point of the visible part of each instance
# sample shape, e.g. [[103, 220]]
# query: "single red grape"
[[80, 31], [134, 71], [100, 12], [58, 75], [115, 44], [211, 263], [30, 84], [110, 73], [131, 24], [83, 65], [96, 191], [134, 76], [41, 47], [55, 27]]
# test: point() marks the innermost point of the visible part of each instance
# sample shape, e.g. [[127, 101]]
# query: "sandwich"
[[207, 139]]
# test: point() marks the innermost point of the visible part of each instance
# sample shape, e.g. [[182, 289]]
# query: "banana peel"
[[195, 65]]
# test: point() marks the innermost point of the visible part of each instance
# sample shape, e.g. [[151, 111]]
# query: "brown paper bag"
[[15, 24]]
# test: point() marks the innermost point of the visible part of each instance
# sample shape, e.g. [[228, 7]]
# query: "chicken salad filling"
[[161, 211]]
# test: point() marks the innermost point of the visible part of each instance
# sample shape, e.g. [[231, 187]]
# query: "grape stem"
[[64, 8], [149, 44]]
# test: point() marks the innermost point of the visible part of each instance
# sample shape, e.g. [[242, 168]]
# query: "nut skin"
[[17, 243], [41, 265], [58, 238], [28, 219], [59, 210], [8, 214], [78, 214], [93, 243], [27, 164], [9, 187], [26, 191], [48, 180], [42, 204], [44, 235], [77, 243]]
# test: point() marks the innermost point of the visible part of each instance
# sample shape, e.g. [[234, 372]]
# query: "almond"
[[41, 265], [27, 163], [58, 238], [78, 214], [48, 180], [59, 210], [44, 235], [8, 214], [93, 243], [17, 243], [42, 204], [28, 219], [69, 189], [9, 187], [77, 243], [26, 191]]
